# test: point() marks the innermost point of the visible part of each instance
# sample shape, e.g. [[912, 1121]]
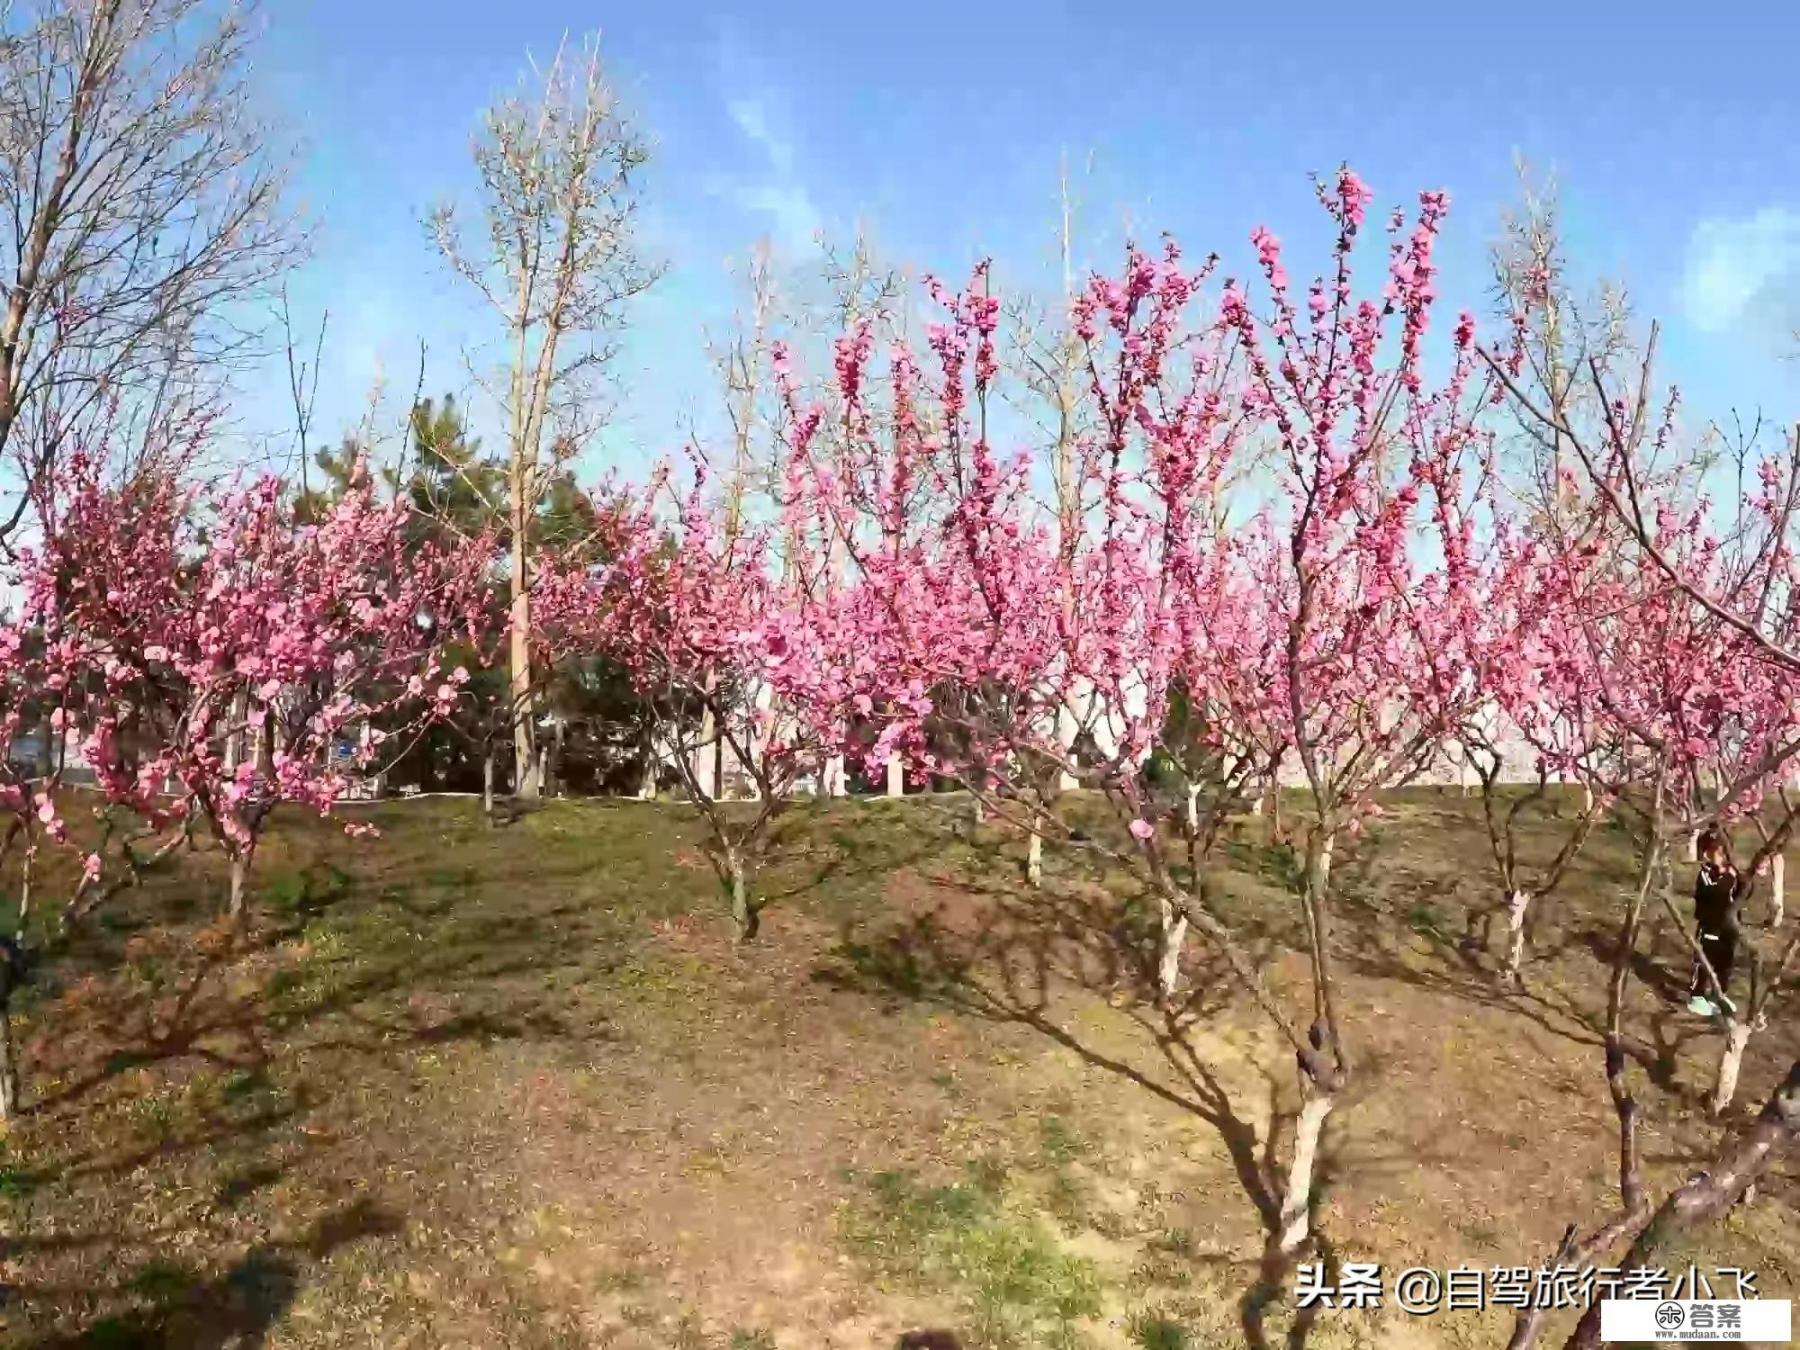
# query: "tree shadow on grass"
[[1544, 996], [1009, 960], [490, 965], [187, 1310]]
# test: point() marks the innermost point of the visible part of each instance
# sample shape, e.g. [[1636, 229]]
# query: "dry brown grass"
[[517, 1088]]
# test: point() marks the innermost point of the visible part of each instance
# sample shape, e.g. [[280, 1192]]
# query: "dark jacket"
[[1717, 891]]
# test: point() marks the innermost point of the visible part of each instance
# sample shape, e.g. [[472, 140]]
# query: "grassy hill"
[[464, 1086]]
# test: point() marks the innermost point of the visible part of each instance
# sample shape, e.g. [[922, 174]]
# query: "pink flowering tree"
[[1369, 457], [52, 671], [1708, 708], [1164, 599], [30, 671], [248, 660], [1031, 641], [731, 652], [1673, 627], [1517, 610]]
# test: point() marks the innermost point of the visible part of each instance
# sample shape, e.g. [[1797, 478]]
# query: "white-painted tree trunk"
[[1517, 905], [834, 776], [1324, 865], [1174, 934], [1193, 806], [896, 777], [240, 871], [1691, 850], [1777, 890], [234, 736], [1296, 1203], [1587, 798], [1065, 740], [706, 763], [1034, 859], [11, 1093], [1731, 1062]]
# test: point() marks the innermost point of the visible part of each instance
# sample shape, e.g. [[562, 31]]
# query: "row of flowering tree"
[[213, 657], [1390, 592], [906, 601]]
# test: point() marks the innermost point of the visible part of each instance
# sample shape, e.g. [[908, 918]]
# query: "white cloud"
[[775, 189], [752, 119], [1744, 274], [795, 214]]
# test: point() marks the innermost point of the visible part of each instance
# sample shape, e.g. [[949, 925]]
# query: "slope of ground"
[[464, 1086]]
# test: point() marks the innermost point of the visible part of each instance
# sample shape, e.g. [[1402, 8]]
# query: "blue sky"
[[941, 128]]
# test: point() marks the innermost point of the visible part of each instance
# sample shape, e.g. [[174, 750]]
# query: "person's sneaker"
[[1700, 1006]]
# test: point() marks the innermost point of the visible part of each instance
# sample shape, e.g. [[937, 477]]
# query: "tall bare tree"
[[558, 167], [140, 214]]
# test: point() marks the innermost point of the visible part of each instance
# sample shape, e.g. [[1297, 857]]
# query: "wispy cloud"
[[752, 120], [1743, 274], [775, 190]]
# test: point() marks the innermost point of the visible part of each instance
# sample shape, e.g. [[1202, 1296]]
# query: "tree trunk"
[[1691, 850], [1625, 1107], [743, 913], [24, 898], [233, 735], [553, 776], [835, 777], [1517, 906], [1587, 799], [1270, 804], [1731, 1062], [487, 784], [1065, 740], [240, 871], [1034, 860], [1193, 806], [1296, 1205], [518, 617], [977, 812], [896, 777], [11, 1094], [1319, 868], [706, 754], [1174, 933], [1777, 890], [1710, 1193]]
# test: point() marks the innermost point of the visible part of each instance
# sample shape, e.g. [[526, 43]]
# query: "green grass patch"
[[1149, 1329], [16, 1183], [1058, 1140], [1019, 1287], [305, 890], [1425, 920], [163, 1282]]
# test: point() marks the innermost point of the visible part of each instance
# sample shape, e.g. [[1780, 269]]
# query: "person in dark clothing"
[[1718, 889]]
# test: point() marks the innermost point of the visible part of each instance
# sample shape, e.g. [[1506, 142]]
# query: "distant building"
[[26, 756]]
